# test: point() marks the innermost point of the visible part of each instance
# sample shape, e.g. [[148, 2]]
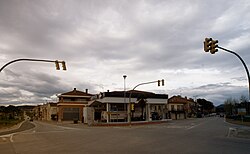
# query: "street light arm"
[[138, 86], [129, 109], [16, 60], [244, 64]]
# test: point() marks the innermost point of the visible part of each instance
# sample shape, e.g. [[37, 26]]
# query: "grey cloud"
[[147, 35], [217, 93]]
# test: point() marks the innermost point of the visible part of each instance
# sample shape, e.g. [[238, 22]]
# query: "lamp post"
[[124, 76], [38, 60]]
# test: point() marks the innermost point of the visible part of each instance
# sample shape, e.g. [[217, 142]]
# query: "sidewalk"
[[239, 129], [133, 123], [110, 124]]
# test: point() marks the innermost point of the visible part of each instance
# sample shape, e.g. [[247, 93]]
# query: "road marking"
[[175, 126], [7, 135], [193, 126], [70, 128], [232, 131], [11, 138]]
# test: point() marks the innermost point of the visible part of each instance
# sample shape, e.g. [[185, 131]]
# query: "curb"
[[127, 124]]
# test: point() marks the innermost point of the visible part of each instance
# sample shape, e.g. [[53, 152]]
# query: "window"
[[159, 108], [180, 107], [172, 107], [117, 107]]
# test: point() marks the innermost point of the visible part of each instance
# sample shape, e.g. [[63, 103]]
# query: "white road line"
[[7, 135], [11, 138], [193, 126], [70, 128]]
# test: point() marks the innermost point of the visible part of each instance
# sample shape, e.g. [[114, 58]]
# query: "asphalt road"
[[205, 135]]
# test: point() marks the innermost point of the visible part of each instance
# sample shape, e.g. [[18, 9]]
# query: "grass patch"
[[238, 122], [8, 123]]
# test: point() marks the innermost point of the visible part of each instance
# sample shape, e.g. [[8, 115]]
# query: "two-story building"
[[147, 106], [71, 105], [180, 108]]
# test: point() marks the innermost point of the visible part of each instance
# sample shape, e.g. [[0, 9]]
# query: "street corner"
[[244, 133], [239, 132]]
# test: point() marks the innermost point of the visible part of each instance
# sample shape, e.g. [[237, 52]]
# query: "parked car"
[[155, 116], [199, 115], [221, 114]]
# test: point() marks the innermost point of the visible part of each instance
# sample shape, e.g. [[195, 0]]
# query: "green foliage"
[[8, 123], [231, 105], [10, 112], [205, 105]]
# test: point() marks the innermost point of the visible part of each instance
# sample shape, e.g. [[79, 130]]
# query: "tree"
[[243, 99], [206, 106], [229, 106], [10, 112]]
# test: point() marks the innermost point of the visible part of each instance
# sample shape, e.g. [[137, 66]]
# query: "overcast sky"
[[103, 40]]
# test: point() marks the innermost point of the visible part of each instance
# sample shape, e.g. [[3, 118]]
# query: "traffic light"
[[64, 65], [57, 65], [162, 82], [207, 44], [214, 46], [159, 82], [132, 107]]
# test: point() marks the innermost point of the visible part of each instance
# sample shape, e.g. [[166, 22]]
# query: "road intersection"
[[204, 135]]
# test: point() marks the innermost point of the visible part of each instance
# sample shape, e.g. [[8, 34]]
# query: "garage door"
[[71, 113]]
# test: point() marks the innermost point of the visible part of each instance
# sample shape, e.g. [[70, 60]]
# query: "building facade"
[[147, 106], [180, 108], [47, 112], [71, 105]]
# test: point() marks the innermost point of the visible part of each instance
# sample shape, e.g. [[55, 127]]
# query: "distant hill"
[[220, 108]]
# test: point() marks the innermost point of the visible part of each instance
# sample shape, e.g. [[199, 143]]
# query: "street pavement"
[[205, 135]]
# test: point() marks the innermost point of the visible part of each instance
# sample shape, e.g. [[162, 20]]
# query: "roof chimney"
[[108, 91], [74, 90], [86, 91]]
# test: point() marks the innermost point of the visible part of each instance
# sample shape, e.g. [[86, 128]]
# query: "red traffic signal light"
[[64, 65], [57, 65], [207, 44], [159, 82], [214, 46]]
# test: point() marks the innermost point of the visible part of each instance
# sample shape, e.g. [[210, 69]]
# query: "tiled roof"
[[135, 94], [53, 104], [179, 99], [77, 93]]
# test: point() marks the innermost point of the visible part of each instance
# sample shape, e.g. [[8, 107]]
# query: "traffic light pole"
[[248, 76], [36, 60], [130, 94]]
